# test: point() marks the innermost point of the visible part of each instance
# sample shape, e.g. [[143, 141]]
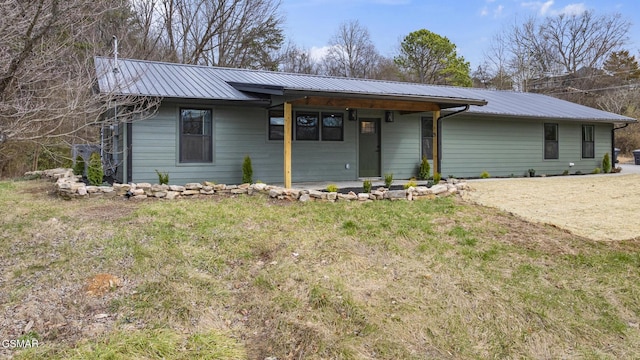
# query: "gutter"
[[439, 133], [613, 143]]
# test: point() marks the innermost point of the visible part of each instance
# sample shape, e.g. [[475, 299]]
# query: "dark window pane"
[[276, 125], [588, 138], [588, 150], [332, 127], [551, 141], [307, 126], [276, 132], [195, 135], [427, 137], [551, 150], [551, 132], [332, 134]]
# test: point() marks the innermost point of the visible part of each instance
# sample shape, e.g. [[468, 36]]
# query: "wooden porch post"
[[287, 144], [436, 116]]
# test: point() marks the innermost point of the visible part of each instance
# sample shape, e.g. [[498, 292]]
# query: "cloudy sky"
[[470, 24]]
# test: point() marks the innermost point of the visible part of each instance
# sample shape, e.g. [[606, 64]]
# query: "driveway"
[[599, 207]]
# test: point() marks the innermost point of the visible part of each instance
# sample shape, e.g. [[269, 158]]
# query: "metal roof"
[[169, 80], [532, 105], [146, 78]]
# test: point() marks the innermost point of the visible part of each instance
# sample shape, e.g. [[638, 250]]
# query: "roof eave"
[[444, 102]]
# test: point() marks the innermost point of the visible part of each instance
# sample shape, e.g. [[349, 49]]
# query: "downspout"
[[439, 134], [613, 142]]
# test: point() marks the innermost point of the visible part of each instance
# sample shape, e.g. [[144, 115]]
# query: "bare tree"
[[231, 33], [584, 40], [351, 52], [557, 45], [296, 60], [47, 76]]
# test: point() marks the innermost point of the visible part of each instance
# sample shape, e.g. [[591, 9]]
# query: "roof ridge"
[[292, 74]]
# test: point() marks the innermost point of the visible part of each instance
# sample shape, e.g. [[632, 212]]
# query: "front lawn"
[[250, 277]]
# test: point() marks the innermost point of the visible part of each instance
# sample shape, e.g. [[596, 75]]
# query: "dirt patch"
[[603, 207]]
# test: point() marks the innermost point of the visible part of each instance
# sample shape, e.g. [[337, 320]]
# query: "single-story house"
[[300, 128]]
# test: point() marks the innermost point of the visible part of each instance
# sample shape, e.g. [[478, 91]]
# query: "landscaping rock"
[[193, 186], [396, 194], [438, 189], [363, 196], [305, 198], [177, 188], [172, 195], [276, 192]]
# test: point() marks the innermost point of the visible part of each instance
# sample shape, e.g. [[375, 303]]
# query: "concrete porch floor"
[[322, 185], [376, 183]]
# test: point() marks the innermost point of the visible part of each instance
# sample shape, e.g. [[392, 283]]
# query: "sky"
[[469, 24]]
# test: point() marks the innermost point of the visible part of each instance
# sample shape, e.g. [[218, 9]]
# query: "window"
[[588, 136], [276, 125], [367, 127], [332, 127], [195, 136], [427, 137], [307, 126], [551, 141]]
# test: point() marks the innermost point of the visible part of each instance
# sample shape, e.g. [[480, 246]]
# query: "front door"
[[369, 147]]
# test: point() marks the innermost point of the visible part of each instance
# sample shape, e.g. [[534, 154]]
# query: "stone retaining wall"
[[70, 186]]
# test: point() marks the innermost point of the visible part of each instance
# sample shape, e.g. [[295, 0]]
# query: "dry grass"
[[251, 278], [598, 207]]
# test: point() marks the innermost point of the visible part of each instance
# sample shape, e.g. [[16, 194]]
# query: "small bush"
[[425, 169], [436, 177], [78, 168], [410, 183], [247, 170], [485, 175], [388, 180], [163, 178], [95, 172], [565, 173], [332, 188], [366, 185], [596, 171], [606, 163]]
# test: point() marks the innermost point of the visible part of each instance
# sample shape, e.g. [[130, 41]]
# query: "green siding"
[[401, 146], [238, 131], [471, 145], [503, 147]]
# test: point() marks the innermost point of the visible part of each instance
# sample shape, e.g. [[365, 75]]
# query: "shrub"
[[485, 175], [565, 173], [95, 172], [366, 185], [332, 188], [436, 177], [606, 163], [388, 180], [247, 170], [596, 171], [425, 169], [410, 183], [78, 168], [163, 178]]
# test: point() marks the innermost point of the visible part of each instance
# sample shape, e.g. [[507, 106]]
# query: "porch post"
[[436, 116], [287, 144]]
